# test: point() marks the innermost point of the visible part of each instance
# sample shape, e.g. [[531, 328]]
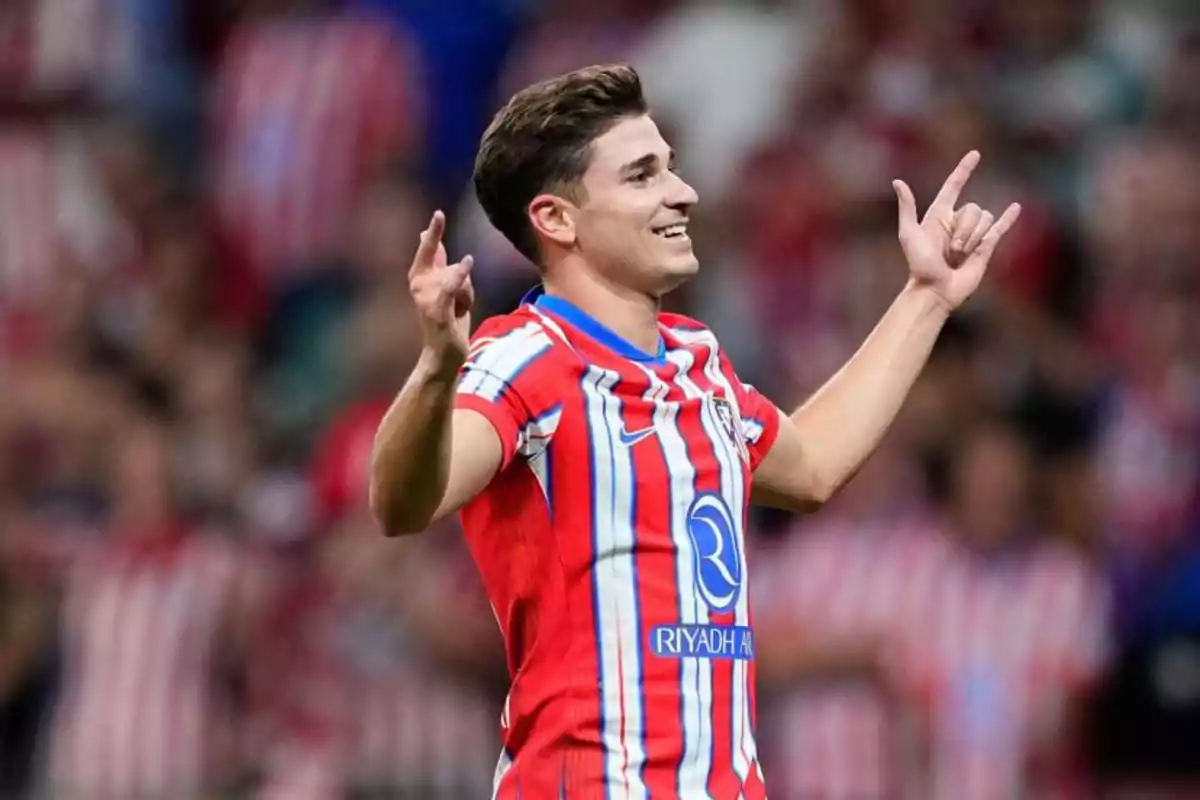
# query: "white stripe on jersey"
[[539, 465], [695, 673], [617, 619], [494, 366], [503, 765], [537, 433], [733, 492]]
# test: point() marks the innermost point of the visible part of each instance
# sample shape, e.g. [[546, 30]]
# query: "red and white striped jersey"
[[306, 107], [419, 729], [611, 548], [836, 583], [345, 689], [139, 713], [995, 646]]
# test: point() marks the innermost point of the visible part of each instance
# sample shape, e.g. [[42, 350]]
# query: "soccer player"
[[603, 454]]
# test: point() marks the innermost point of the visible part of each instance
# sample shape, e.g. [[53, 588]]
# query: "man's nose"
[[682, 193]]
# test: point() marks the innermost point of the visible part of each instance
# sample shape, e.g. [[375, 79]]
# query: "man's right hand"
[[443, 296]]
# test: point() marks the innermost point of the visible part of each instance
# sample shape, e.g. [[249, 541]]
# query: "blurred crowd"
[[207, 209]]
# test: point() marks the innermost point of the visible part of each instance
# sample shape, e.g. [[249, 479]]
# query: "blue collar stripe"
[[580, 319]]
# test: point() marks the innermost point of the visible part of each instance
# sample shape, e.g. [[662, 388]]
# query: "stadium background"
[[206, 213]]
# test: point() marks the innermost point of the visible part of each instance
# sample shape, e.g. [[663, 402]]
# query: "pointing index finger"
[[431, 237], [948, 196]]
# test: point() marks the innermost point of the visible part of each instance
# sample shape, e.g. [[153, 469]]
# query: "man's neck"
[[629, 314]]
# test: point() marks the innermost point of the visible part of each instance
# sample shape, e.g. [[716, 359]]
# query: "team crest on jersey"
[[731, 426]]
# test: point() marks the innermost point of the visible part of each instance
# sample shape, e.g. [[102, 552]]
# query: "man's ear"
[[553, 217]]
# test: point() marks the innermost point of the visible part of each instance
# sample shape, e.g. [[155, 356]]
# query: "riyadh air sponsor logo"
[[714, 544], [731, 642]]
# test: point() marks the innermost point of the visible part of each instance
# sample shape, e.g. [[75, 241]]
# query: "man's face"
[[632, 226]]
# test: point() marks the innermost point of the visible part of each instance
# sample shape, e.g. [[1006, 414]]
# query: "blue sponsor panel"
[[714, 538], [733, 642]]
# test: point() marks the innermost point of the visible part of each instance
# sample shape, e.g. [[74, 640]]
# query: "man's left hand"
[[948, 251]]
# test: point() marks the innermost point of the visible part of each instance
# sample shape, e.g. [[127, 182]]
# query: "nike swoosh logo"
[[629, 439]]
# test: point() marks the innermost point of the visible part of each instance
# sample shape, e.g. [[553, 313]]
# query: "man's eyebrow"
[[645, 161], [648, 160]]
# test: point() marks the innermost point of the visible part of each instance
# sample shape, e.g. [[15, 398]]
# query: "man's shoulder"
[[516, 330], [517, 344]]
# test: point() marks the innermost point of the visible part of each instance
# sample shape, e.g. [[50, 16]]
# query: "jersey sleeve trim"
[[761, 435], [505, 426]]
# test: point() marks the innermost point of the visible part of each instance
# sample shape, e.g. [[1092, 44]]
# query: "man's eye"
[[639, 177]]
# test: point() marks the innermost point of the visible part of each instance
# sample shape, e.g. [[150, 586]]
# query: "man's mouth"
[[676, 231]]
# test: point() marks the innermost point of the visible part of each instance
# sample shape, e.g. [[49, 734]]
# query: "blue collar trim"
[[589, 325]]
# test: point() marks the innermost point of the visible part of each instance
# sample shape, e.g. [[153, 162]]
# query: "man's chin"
[[677, 272], [685, 266]]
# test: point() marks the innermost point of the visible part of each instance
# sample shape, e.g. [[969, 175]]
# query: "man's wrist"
[[927, 299], [439, 367]]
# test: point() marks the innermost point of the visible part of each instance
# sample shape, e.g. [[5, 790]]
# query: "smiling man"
[[603, 454]]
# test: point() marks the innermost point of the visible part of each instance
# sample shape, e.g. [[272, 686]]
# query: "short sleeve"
[[760, 422], [506, 379]]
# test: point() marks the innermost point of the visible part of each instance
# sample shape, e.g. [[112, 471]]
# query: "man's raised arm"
[[429, 459], [823, 443]]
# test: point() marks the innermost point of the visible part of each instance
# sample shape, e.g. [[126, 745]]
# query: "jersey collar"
[[590, 326]]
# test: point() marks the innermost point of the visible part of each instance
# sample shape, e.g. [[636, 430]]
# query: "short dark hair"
[[540, 141]]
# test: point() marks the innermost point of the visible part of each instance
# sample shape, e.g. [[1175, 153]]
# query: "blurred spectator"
[[1006, 638], [154, 614], [384, 664], [216, 456], [825, 604], [309, 101], [936, 655], [426, 666]]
